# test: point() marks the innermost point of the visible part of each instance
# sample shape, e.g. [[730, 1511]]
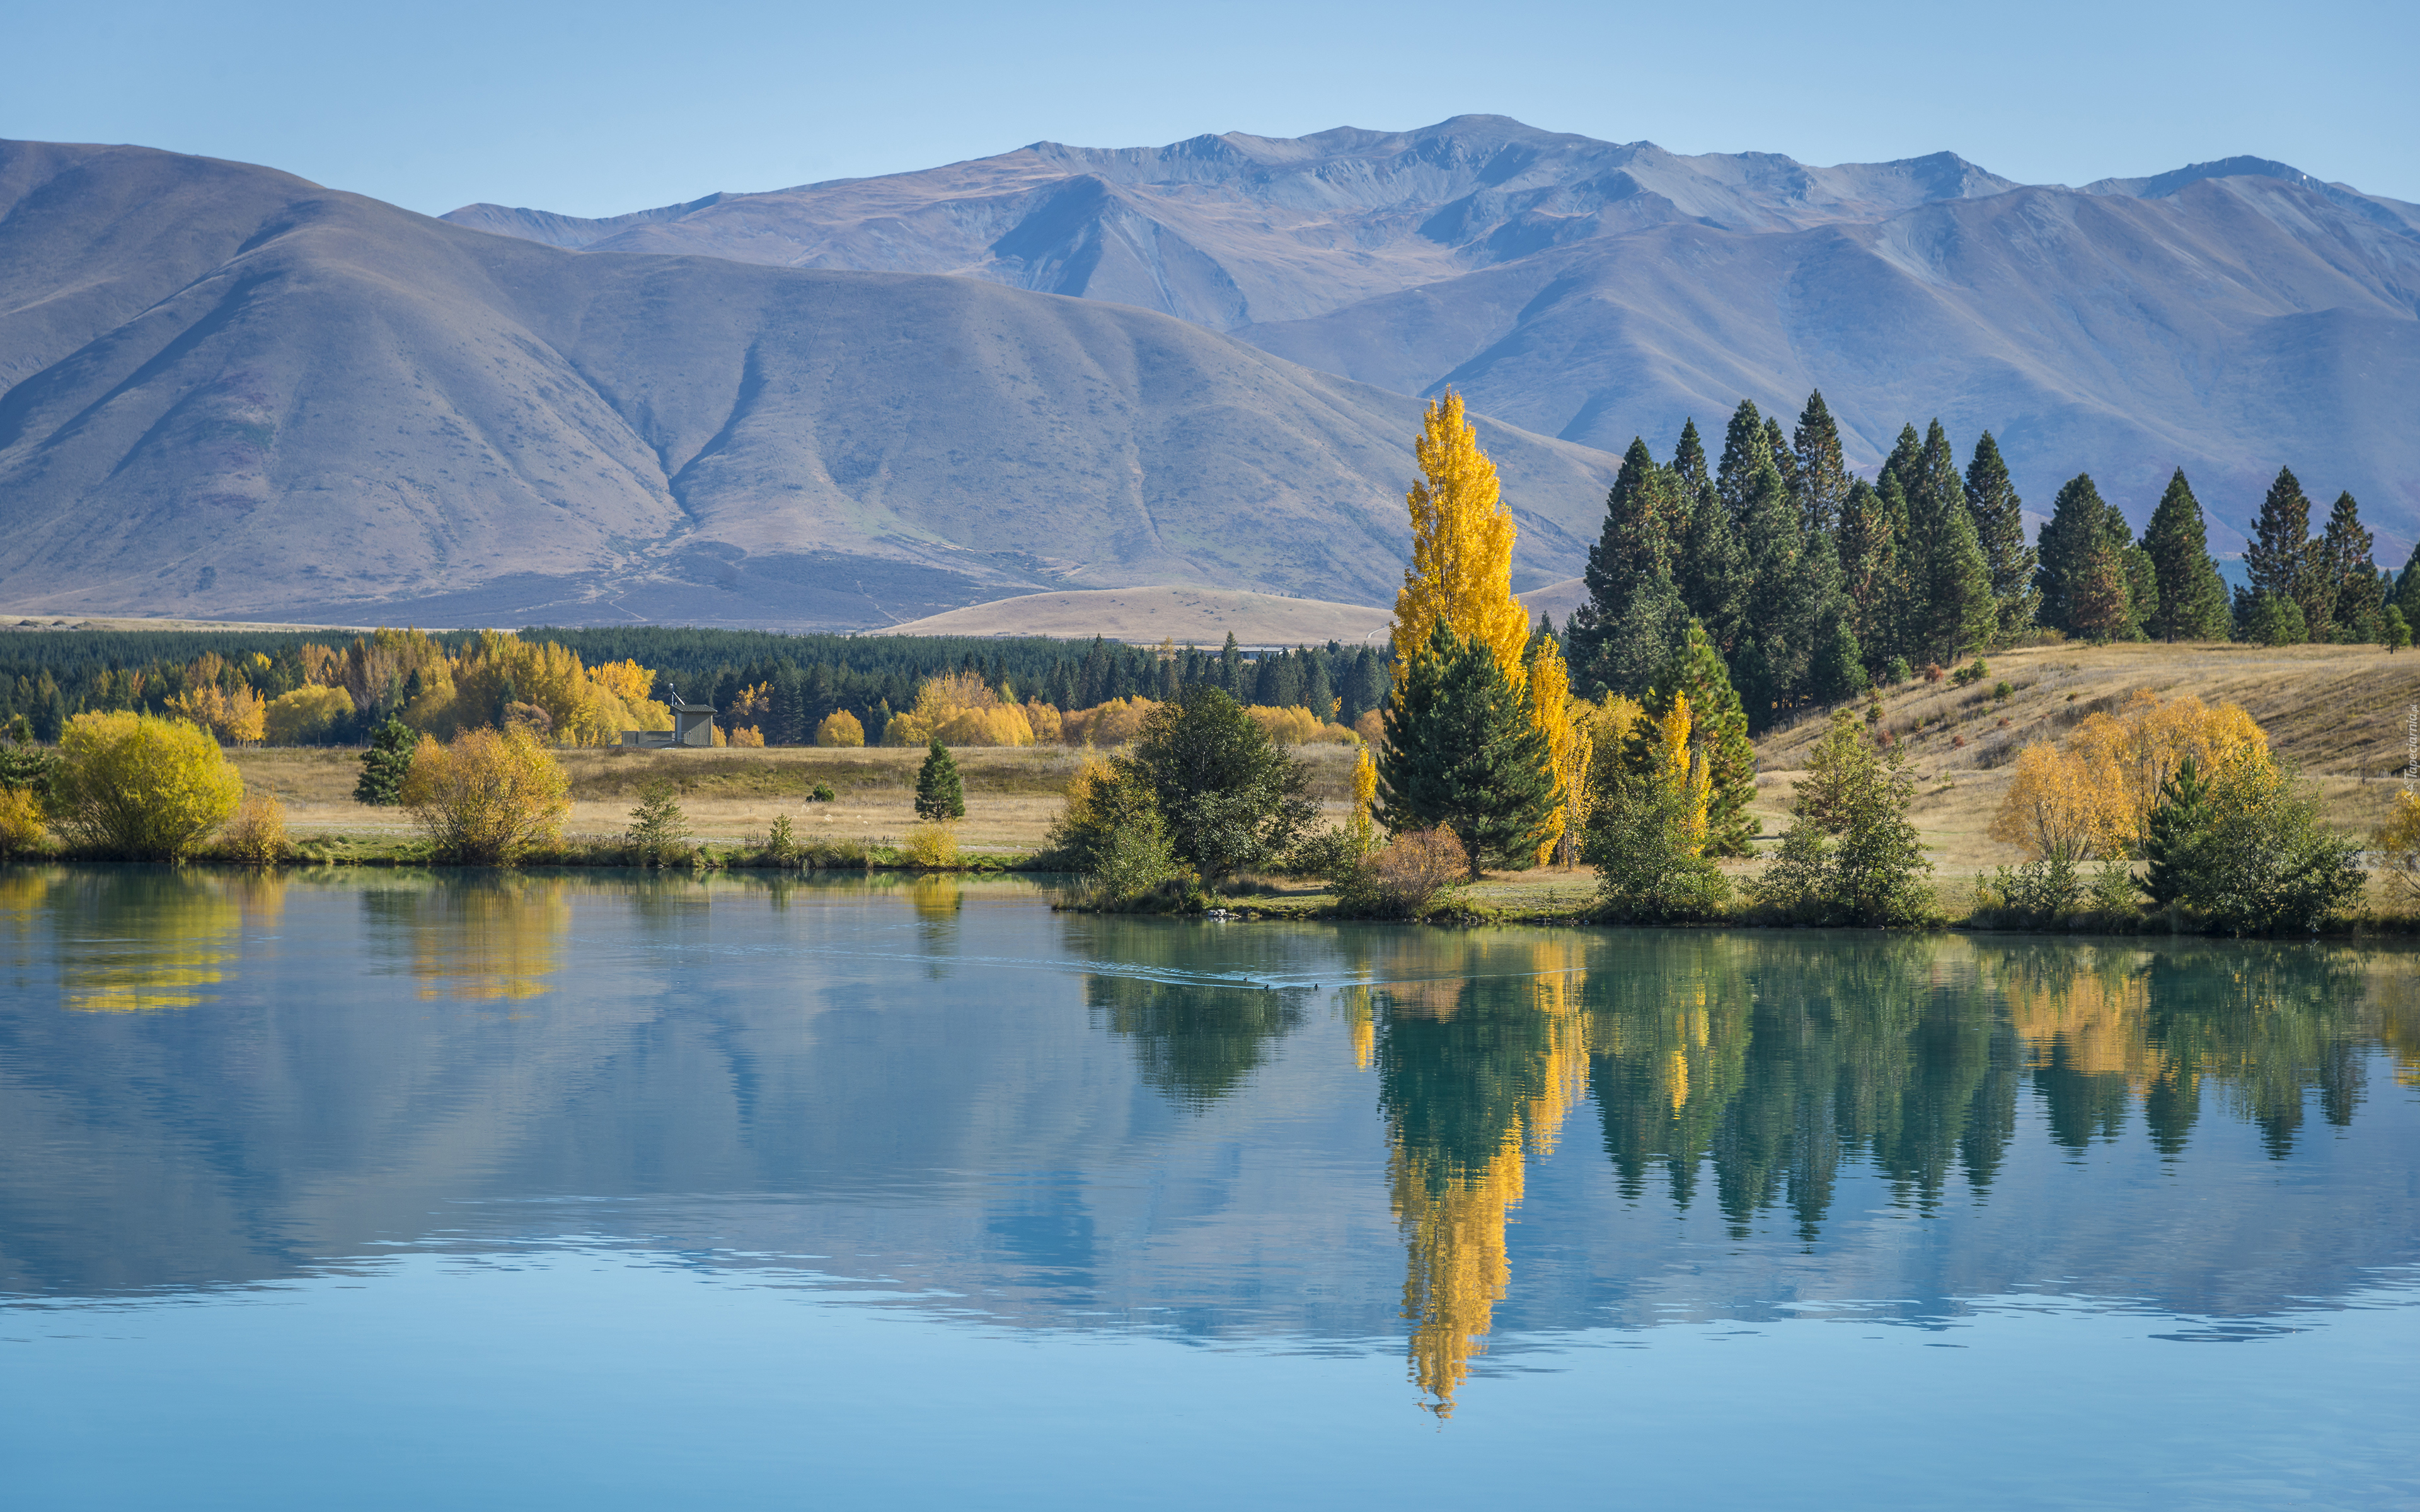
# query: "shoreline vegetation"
[[1943, 726]]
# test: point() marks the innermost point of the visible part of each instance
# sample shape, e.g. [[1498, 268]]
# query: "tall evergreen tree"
[[2078, 525], [1999, 517], [1785, 461], [1904, 461], [2407, 589], [1718, 725], [1633, 613], [1463, 751], [2192, 597], [2352, 577], [1820, 480], [2097, 608], [1709, 570], [1745, 452], [1871, 573], [1790, 588], [1960, 613], [2278, 557]]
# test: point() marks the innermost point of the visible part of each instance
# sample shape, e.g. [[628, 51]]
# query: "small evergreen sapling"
[[940, 794], [658, 823], [386, 764], [2171, 833]]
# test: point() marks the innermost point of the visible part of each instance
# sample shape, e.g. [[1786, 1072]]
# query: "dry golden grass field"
[[2337, 712]]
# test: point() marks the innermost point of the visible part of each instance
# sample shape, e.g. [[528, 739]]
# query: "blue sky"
[[612, 106]]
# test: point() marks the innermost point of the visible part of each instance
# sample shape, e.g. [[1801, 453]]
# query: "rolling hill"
[[2227, 316], [230, 392]]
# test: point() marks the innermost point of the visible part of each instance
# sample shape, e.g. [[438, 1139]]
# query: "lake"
[[400, 1190]]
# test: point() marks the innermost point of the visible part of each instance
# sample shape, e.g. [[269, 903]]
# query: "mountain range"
[[225, 390]]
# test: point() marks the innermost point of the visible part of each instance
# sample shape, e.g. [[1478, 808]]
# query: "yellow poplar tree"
[[1365, 799], [1461, 545], [1550, 708]]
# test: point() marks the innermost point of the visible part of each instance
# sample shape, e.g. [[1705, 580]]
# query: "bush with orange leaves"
[[1404, 879], [2398, 844], [1104, 725], [1294, 725]]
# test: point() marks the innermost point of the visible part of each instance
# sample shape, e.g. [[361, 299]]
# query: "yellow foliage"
[[258, 835], [930, 846], [2135, 751], [626, 680], [1371, 727], [1362, 827], [942, 709], [2399, 839], [840, 728], [1113, 723], [1461, 545], [237, 716], [320, 665], [20, 822], [1045, 720], [746, 734], [2093, 797], [489, 797], [1293, 725], [1550, 689], [2054, 808], [140, 787], [303, 716], [165, 956]]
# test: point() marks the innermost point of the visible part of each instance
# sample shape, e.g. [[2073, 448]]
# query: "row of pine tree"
[[1812, 583]]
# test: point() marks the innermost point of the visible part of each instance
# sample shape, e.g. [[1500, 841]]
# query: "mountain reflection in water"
[[1069, 1122]]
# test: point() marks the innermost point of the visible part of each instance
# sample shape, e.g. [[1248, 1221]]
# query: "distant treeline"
[[48, 676]]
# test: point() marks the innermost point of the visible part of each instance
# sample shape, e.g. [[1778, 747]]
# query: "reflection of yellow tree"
[[1479, 1076], [2086, 1009], [154, 941], [490, 940]]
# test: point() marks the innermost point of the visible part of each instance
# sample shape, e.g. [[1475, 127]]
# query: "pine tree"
[[1712, 569], [939, 793], [1820, 480], [1904, 461], [2000, 531], [1785, 461], [1689, 466], [2170, 833], [1463, 751], [2279, 557], [1962, 615], [2098, 609], [1462, 545], [1870, 570], [1745, 452], [1719, 728], [2350, 578], [386, 764], [2192, 596], [2078, 526], [1635, 609], [1789, 590], [2407, 589]]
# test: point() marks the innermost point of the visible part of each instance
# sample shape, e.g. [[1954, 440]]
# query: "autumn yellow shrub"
[[2398, 844], [257, 835], [748, 736], [2093, 796], [1288, 726], [933, 847], [1045, 721], [237, 715], [961, 710], [305, 716], [142, 788], [1104, 725], [1371, 727], [840, 731], [489, 797], [2055, 812], [20, 822]]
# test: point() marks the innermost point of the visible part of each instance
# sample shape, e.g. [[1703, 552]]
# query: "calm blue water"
[[397, 1191]]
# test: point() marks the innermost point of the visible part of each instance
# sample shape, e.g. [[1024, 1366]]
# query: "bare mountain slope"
[[1229, 230], [237, 393], [2235, 324], [2227, 317]]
